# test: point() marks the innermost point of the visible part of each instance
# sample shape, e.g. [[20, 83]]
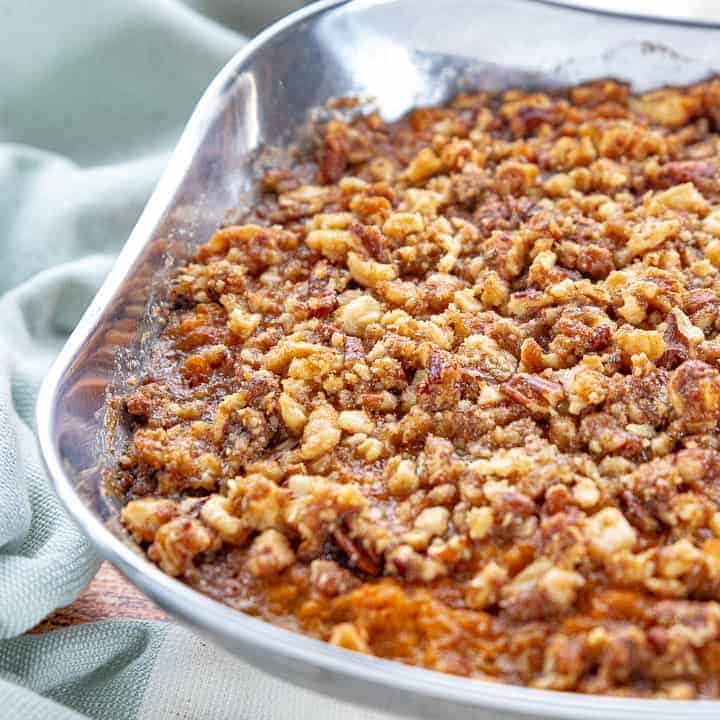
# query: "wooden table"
[[108, 597]]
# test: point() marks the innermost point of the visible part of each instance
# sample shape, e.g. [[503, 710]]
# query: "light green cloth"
[[146, 671], [93, 96]]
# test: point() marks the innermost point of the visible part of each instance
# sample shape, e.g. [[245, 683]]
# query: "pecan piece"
[[694, 391], [699, 172], [703, 307], [330, 579], [357, 555], [537, 394], [333, 158], [441, 387], [595, 262], [373, 240]]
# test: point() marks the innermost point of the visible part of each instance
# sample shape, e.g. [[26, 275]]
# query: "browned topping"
[[451, 393]]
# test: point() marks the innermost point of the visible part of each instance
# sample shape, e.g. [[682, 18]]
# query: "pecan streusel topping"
[[450, 394]]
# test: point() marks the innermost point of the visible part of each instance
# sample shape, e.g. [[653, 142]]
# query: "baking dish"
[[392, 53]]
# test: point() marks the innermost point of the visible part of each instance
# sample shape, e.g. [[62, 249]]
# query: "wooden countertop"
[[108, 597]]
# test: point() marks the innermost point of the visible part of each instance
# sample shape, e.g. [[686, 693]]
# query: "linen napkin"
[[93, 96]]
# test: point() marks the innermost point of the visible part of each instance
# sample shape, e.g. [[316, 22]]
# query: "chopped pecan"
[[333, 158], [357, 555], [701, 173], [537, 394], [694, 391], [596, 262], [441, 387], [330, 579], [373, 241]]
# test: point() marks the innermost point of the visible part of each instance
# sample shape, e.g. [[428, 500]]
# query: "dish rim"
[[634, 13], [223, 623]]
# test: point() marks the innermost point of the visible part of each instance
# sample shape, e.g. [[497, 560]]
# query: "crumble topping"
[[450, 394]]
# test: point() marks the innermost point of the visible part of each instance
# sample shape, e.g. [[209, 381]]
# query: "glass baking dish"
[[396, 54]]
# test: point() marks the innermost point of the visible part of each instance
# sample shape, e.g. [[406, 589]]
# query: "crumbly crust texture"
[[450, 394]]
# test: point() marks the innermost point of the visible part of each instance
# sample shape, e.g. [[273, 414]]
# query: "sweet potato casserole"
[[450, 394]]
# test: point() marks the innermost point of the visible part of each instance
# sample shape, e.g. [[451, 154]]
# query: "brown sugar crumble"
[[450, 394]]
